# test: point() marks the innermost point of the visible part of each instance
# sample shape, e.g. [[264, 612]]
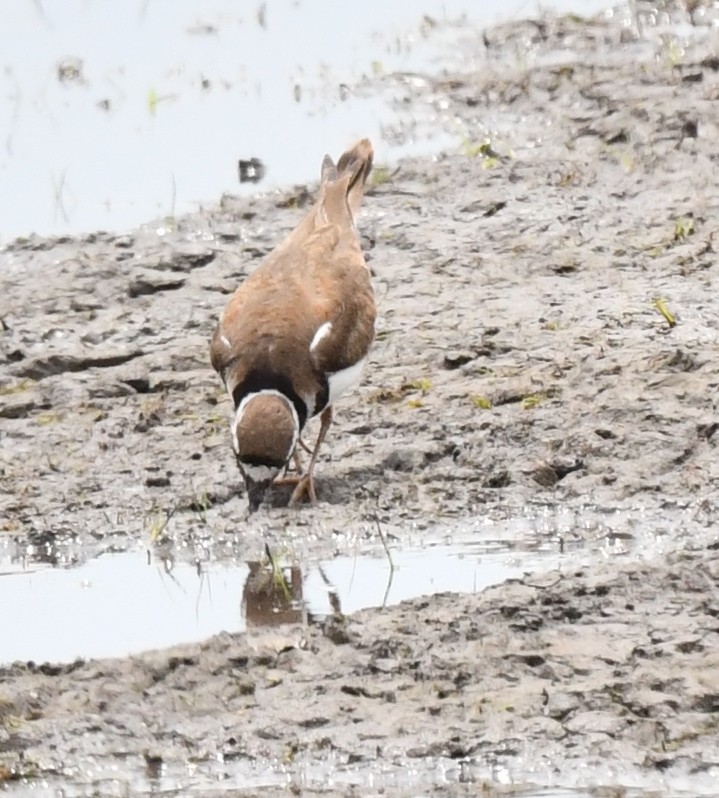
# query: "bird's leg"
[[301, 443], [292, 479], [297, 460], [306, 483], [285, 478]]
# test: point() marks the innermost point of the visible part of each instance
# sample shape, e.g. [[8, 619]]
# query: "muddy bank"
[[547, 339], [521, 356], [613, 668]]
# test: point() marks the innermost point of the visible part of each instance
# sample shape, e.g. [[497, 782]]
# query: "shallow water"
[[125, 603], [120, 603], [426, 776], [117, 113]]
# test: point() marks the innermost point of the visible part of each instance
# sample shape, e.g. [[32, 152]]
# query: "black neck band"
[[257, 381]]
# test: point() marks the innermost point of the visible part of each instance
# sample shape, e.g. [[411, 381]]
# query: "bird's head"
[[264, 435]]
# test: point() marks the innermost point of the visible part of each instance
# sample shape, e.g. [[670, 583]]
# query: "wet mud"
[[547, 341]]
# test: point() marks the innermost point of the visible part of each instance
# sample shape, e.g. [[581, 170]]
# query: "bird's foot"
[[305, 487], [293, 464]]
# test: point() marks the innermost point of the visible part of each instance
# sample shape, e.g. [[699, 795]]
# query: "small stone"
[[596, 722], [559, 705], [250, 170], [313, 723], [454, 360], [15, 407], [157, 482], [145, 282], [37, 368], [405, 459], [545, 475]]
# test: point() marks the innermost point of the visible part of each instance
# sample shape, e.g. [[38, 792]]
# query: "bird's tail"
[[343, 184]]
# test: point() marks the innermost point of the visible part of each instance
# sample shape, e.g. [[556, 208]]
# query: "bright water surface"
[[121, 603], [160, 98], [125, 603]]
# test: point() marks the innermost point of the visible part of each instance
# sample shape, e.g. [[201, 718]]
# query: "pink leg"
[[306, 483]]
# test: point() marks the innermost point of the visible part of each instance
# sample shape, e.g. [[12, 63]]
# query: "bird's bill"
[[256, 491], [257, 479]]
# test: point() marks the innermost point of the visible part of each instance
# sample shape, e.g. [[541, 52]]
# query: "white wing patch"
[[225, 341], [322, 332], [341, 381]]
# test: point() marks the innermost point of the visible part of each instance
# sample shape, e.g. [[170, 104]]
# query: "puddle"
[[124, 603], [128, 602], [418, 777], [120, 604], [114, 114]]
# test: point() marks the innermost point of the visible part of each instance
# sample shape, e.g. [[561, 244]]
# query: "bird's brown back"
[[317, 275]]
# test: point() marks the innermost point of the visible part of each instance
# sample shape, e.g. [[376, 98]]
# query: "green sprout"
[[661, 306]]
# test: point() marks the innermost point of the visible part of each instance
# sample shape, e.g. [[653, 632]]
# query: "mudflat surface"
[[523, 365]]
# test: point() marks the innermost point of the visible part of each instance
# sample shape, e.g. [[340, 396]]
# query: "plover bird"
[[295, 335]]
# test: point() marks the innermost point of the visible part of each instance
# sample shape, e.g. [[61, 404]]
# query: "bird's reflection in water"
[[274, 595]]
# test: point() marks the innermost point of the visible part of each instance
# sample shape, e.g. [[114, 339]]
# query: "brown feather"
[[318, 274]]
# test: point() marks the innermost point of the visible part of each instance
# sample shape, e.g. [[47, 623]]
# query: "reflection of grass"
[[392, 566], [152, 100], [58, 191], [279, 582], [159, 522], [201, 504], [170, 220]]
